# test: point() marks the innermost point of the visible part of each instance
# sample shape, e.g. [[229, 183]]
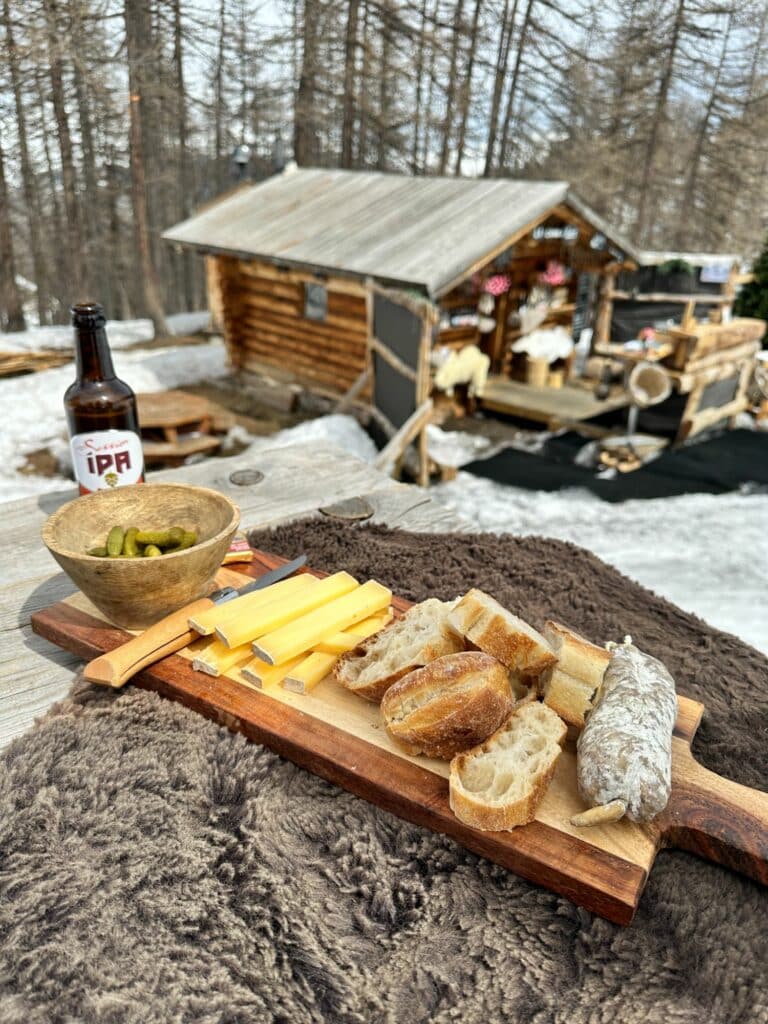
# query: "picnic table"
[[296, 482]]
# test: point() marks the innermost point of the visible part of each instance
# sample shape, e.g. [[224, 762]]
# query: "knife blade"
[[172, 633]]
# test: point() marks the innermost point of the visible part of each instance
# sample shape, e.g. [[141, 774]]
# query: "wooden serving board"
[[337, 735]]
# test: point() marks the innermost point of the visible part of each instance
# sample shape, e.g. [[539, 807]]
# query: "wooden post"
[[602, 331], [500, 333]]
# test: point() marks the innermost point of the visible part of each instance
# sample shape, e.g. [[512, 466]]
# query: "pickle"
[[130, 547], [152, 551], [159, 538], [115, 541], [100, 552], [188, 540]]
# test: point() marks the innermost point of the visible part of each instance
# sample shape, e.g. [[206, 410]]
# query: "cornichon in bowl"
[[136, 543]]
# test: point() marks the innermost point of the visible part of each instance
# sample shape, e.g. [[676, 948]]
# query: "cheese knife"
[[172, 633]]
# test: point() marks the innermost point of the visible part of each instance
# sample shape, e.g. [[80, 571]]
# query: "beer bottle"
[[101, 410]]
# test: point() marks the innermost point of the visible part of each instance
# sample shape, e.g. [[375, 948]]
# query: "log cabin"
[[292, 263]]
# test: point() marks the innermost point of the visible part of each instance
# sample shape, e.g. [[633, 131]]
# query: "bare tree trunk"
[[384, 116], [305, 127], [136, 35], [11, 306], [466, 89], [659, 116], [428, 119], [419, 78], [689, 194], [450, 96], [350, 65], [218, 100], [95, 256], [76, 277], [511, 98], [364, 91], [184, 178], [57, 278], [28, 183], [499, 78]]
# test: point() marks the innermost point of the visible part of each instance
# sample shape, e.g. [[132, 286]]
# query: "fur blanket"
[[156, 868]]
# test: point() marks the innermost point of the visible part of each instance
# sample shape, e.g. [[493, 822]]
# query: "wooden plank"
[[394, 361], [351, 396], [699, 299], [397, 444], [547, 405]]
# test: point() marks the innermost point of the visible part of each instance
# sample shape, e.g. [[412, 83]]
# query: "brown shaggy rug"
[[155, 868]]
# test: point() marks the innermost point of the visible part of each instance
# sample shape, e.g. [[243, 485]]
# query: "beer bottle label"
[[107, 458]]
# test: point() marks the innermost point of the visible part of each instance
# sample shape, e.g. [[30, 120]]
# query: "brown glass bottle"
[[101, 410]]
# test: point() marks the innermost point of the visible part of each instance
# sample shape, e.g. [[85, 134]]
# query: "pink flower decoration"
[[498, 284], [554, 275]]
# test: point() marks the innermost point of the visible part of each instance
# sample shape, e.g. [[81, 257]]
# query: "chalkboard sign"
[[585, 290], [400, 330]]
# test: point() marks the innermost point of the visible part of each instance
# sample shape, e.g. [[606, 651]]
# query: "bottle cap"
[[88, 314]]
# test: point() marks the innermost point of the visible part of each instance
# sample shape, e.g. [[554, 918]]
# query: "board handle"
[[717, 819], [168, 635]]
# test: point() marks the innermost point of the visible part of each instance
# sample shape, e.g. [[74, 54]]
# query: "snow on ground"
[[33, 411], [708, 553], [121, 333]]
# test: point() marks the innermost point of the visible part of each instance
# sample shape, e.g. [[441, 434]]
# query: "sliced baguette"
[[499, 784], [448, 705], [576, 655], [482, 621], [421, 636], [569, 697]]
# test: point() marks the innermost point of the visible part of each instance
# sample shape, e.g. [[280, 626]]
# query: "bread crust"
[[576, 655], [478, 813], [485, 623], [451, 704]]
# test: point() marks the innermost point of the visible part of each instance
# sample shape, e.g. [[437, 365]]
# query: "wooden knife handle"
[[170, 634], [717, 819]]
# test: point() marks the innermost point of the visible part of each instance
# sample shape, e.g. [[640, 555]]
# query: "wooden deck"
[[554, 407]]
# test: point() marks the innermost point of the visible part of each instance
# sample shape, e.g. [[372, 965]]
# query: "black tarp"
[[713, 466]]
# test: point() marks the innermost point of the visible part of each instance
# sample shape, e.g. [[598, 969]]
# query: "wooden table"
[[164, 415], [296, 482]]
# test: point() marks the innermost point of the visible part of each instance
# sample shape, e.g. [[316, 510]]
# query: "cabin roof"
[[654, 258], [419, 232]]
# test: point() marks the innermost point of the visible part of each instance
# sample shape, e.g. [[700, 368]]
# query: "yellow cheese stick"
[[309, 672], [306, 632], [216, 659], [251, 625], [206, 622], [340, 643], [260, 674]]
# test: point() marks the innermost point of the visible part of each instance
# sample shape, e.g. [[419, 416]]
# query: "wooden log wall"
[[264, 323]]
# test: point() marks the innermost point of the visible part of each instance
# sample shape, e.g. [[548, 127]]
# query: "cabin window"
[[315, 301]]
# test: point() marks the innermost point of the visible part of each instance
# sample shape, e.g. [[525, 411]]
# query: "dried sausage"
[[624, 753]]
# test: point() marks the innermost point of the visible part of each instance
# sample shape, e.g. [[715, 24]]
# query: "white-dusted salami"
[[624, 754]]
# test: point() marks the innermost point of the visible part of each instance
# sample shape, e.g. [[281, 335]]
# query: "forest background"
[[119, 118]]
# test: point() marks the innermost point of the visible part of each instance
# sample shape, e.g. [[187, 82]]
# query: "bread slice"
[[449, 705], [576, 655], [569, 697], [572, 686], [482, 621], [421, 636], [499, 784]]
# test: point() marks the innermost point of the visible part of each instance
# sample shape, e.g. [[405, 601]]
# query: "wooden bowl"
[[135, 592]]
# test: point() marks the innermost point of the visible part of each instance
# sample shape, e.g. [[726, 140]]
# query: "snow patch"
[[121, 333]]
